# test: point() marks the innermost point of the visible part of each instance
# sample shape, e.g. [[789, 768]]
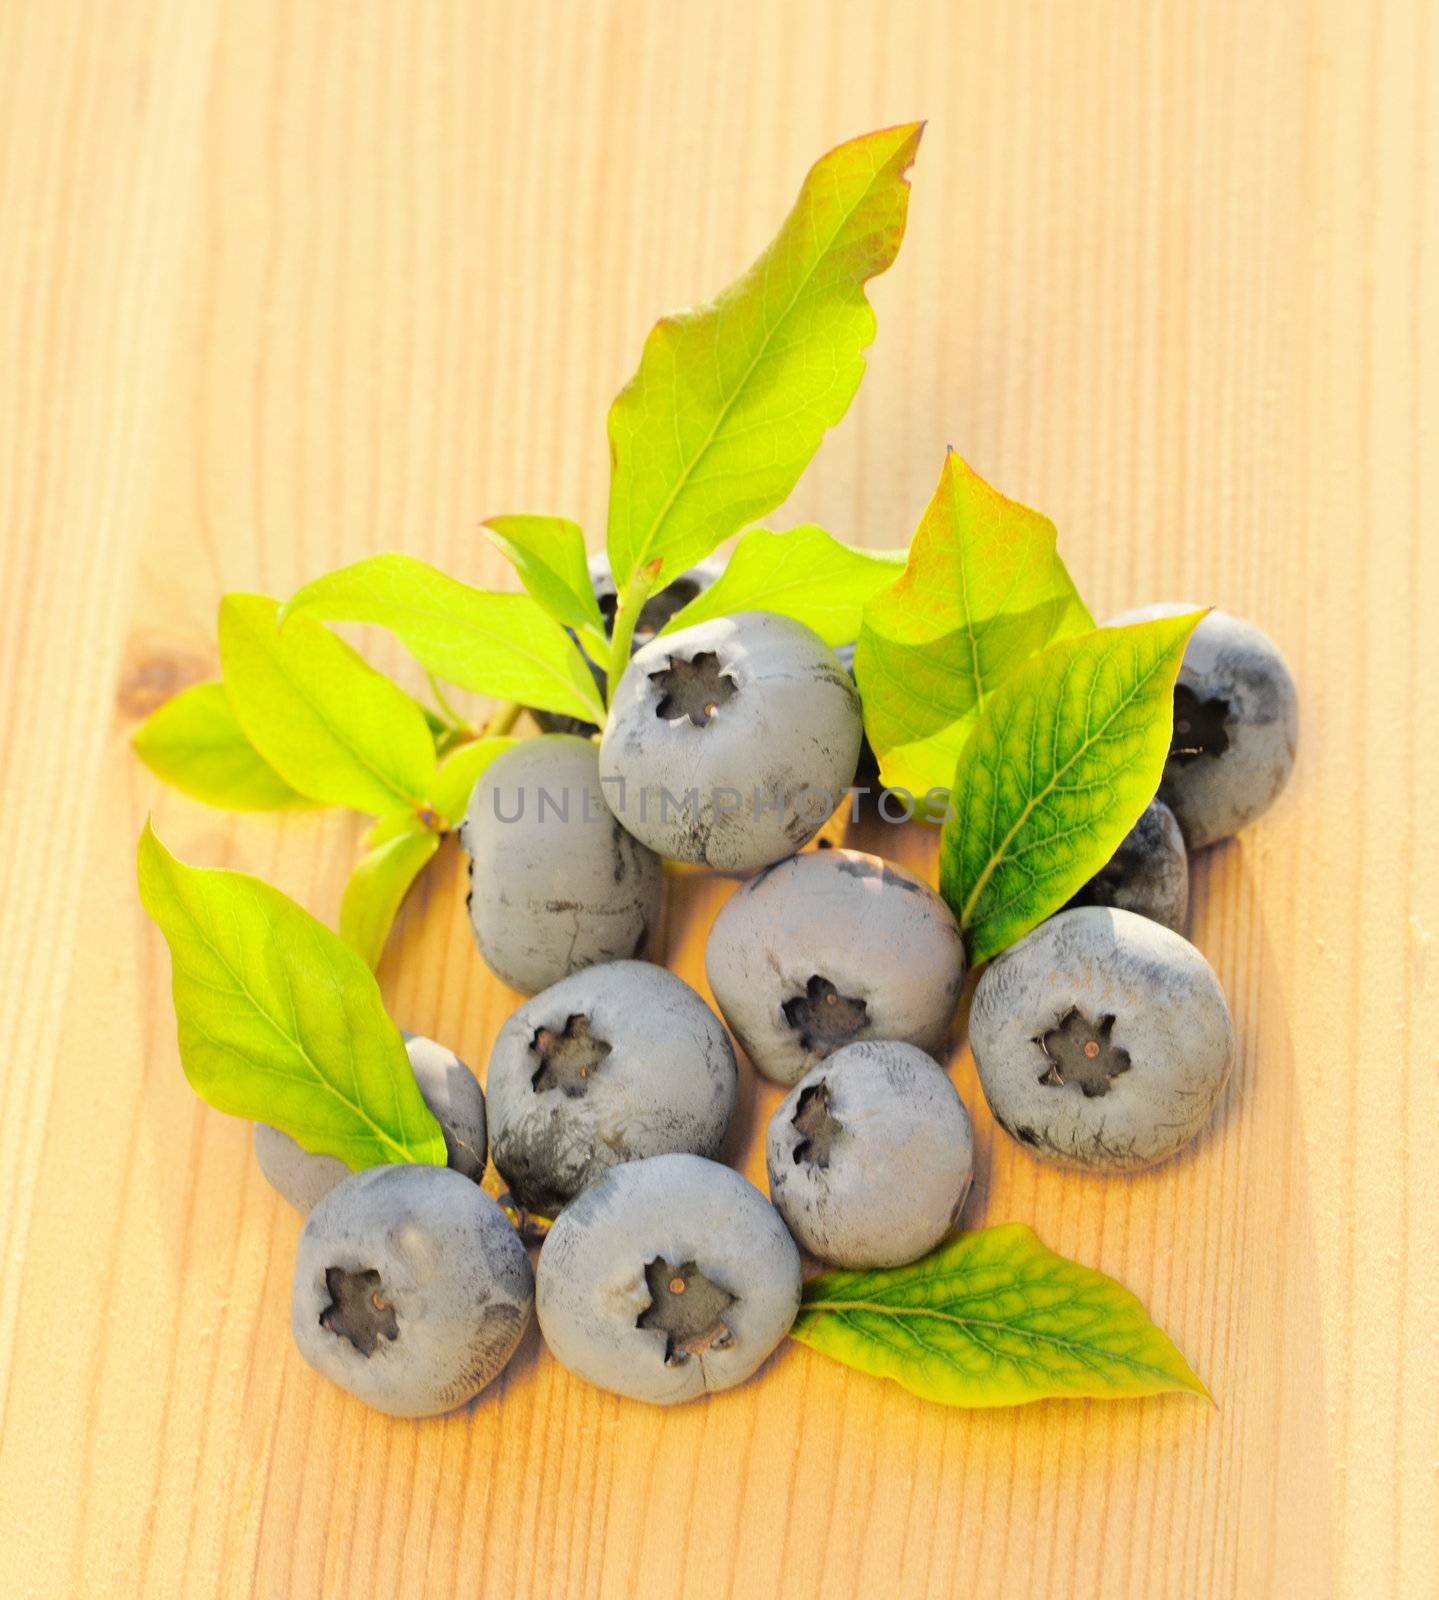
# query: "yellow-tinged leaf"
[[549, 555], [806, 574], [377, 888], [732, 399], [994, 1318], [1066, 753], [280, 1020], [983, 591], [324, 719], [504, 645], [195, 744]]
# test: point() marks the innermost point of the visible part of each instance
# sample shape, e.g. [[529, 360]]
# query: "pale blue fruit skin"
[[1227, 658], [552, 893], [448, 1088], [1148, 873], [1170, 1016], [591, 1290], [654, 614], [899, 1169], [788, 737], [296, 1174], [450, 1265], [668, 1084], [877, 932]]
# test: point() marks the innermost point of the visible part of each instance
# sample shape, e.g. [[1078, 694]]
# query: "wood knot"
[[151, 675]]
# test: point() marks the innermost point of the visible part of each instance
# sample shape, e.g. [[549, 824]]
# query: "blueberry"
[[729, 743], [654, 614], [1148, 873], [1236, 723], [411, 1289], [447, 1087], [871, 1156], [555, 883], [1102, 1039], [667, 1279], [618, 1062], [830, 947]]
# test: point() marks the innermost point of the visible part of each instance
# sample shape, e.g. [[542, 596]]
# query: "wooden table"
[[286, 284]]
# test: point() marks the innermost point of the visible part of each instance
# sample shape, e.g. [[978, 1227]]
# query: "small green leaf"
[[806, 574], [459, 773], [1067, 752], [327, 722], [195, 744], [732, 399], [378, 886], [549, 555], [983, 591], [993, 1318], [503, 645], [279, 1019]]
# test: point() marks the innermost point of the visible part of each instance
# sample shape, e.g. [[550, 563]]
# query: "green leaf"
[[984, 590], [503, 645], [279, 1019], [993, 1318], [195, 744], [458, 775], [328, 723], [1067, 752], [449, 795], [732, 399], [378, 885], [806, 574], [549, 555]]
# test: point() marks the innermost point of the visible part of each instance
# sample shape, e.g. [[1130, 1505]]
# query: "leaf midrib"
[[640, 551], [880, 1309]]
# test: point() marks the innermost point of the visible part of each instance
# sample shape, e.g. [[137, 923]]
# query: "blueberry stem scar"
[[569, 1058], [358, 1310], [816, 1125], [1198, 726], [824, 1018], [696, 688], [1079, 1051], [688, 1308]]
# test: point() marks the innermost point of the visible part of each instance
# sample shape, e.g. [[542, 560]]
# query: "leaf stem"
[[627, 612], [501, 721], [458, 723]]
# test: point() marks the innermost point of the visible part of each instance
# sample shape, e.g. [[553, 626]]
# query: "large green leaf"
[[195, 744], [993, 1318], [983, 591], [1067, 752], [806, 574], [280, 1020], [378, 886], [549, 555], [732, 399], [504, 645], [329, 724]]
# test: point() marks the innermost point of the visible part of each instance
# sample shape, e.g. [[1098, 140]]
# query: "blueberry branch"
[[632, 598], [458, 724]]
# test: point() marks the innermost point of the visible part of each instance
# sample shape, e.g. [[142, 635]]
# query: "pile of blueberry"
[[1102, 1040]]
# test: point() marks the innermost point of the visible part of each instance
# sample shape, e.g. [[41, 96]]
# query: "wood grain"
[[284, 285]]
